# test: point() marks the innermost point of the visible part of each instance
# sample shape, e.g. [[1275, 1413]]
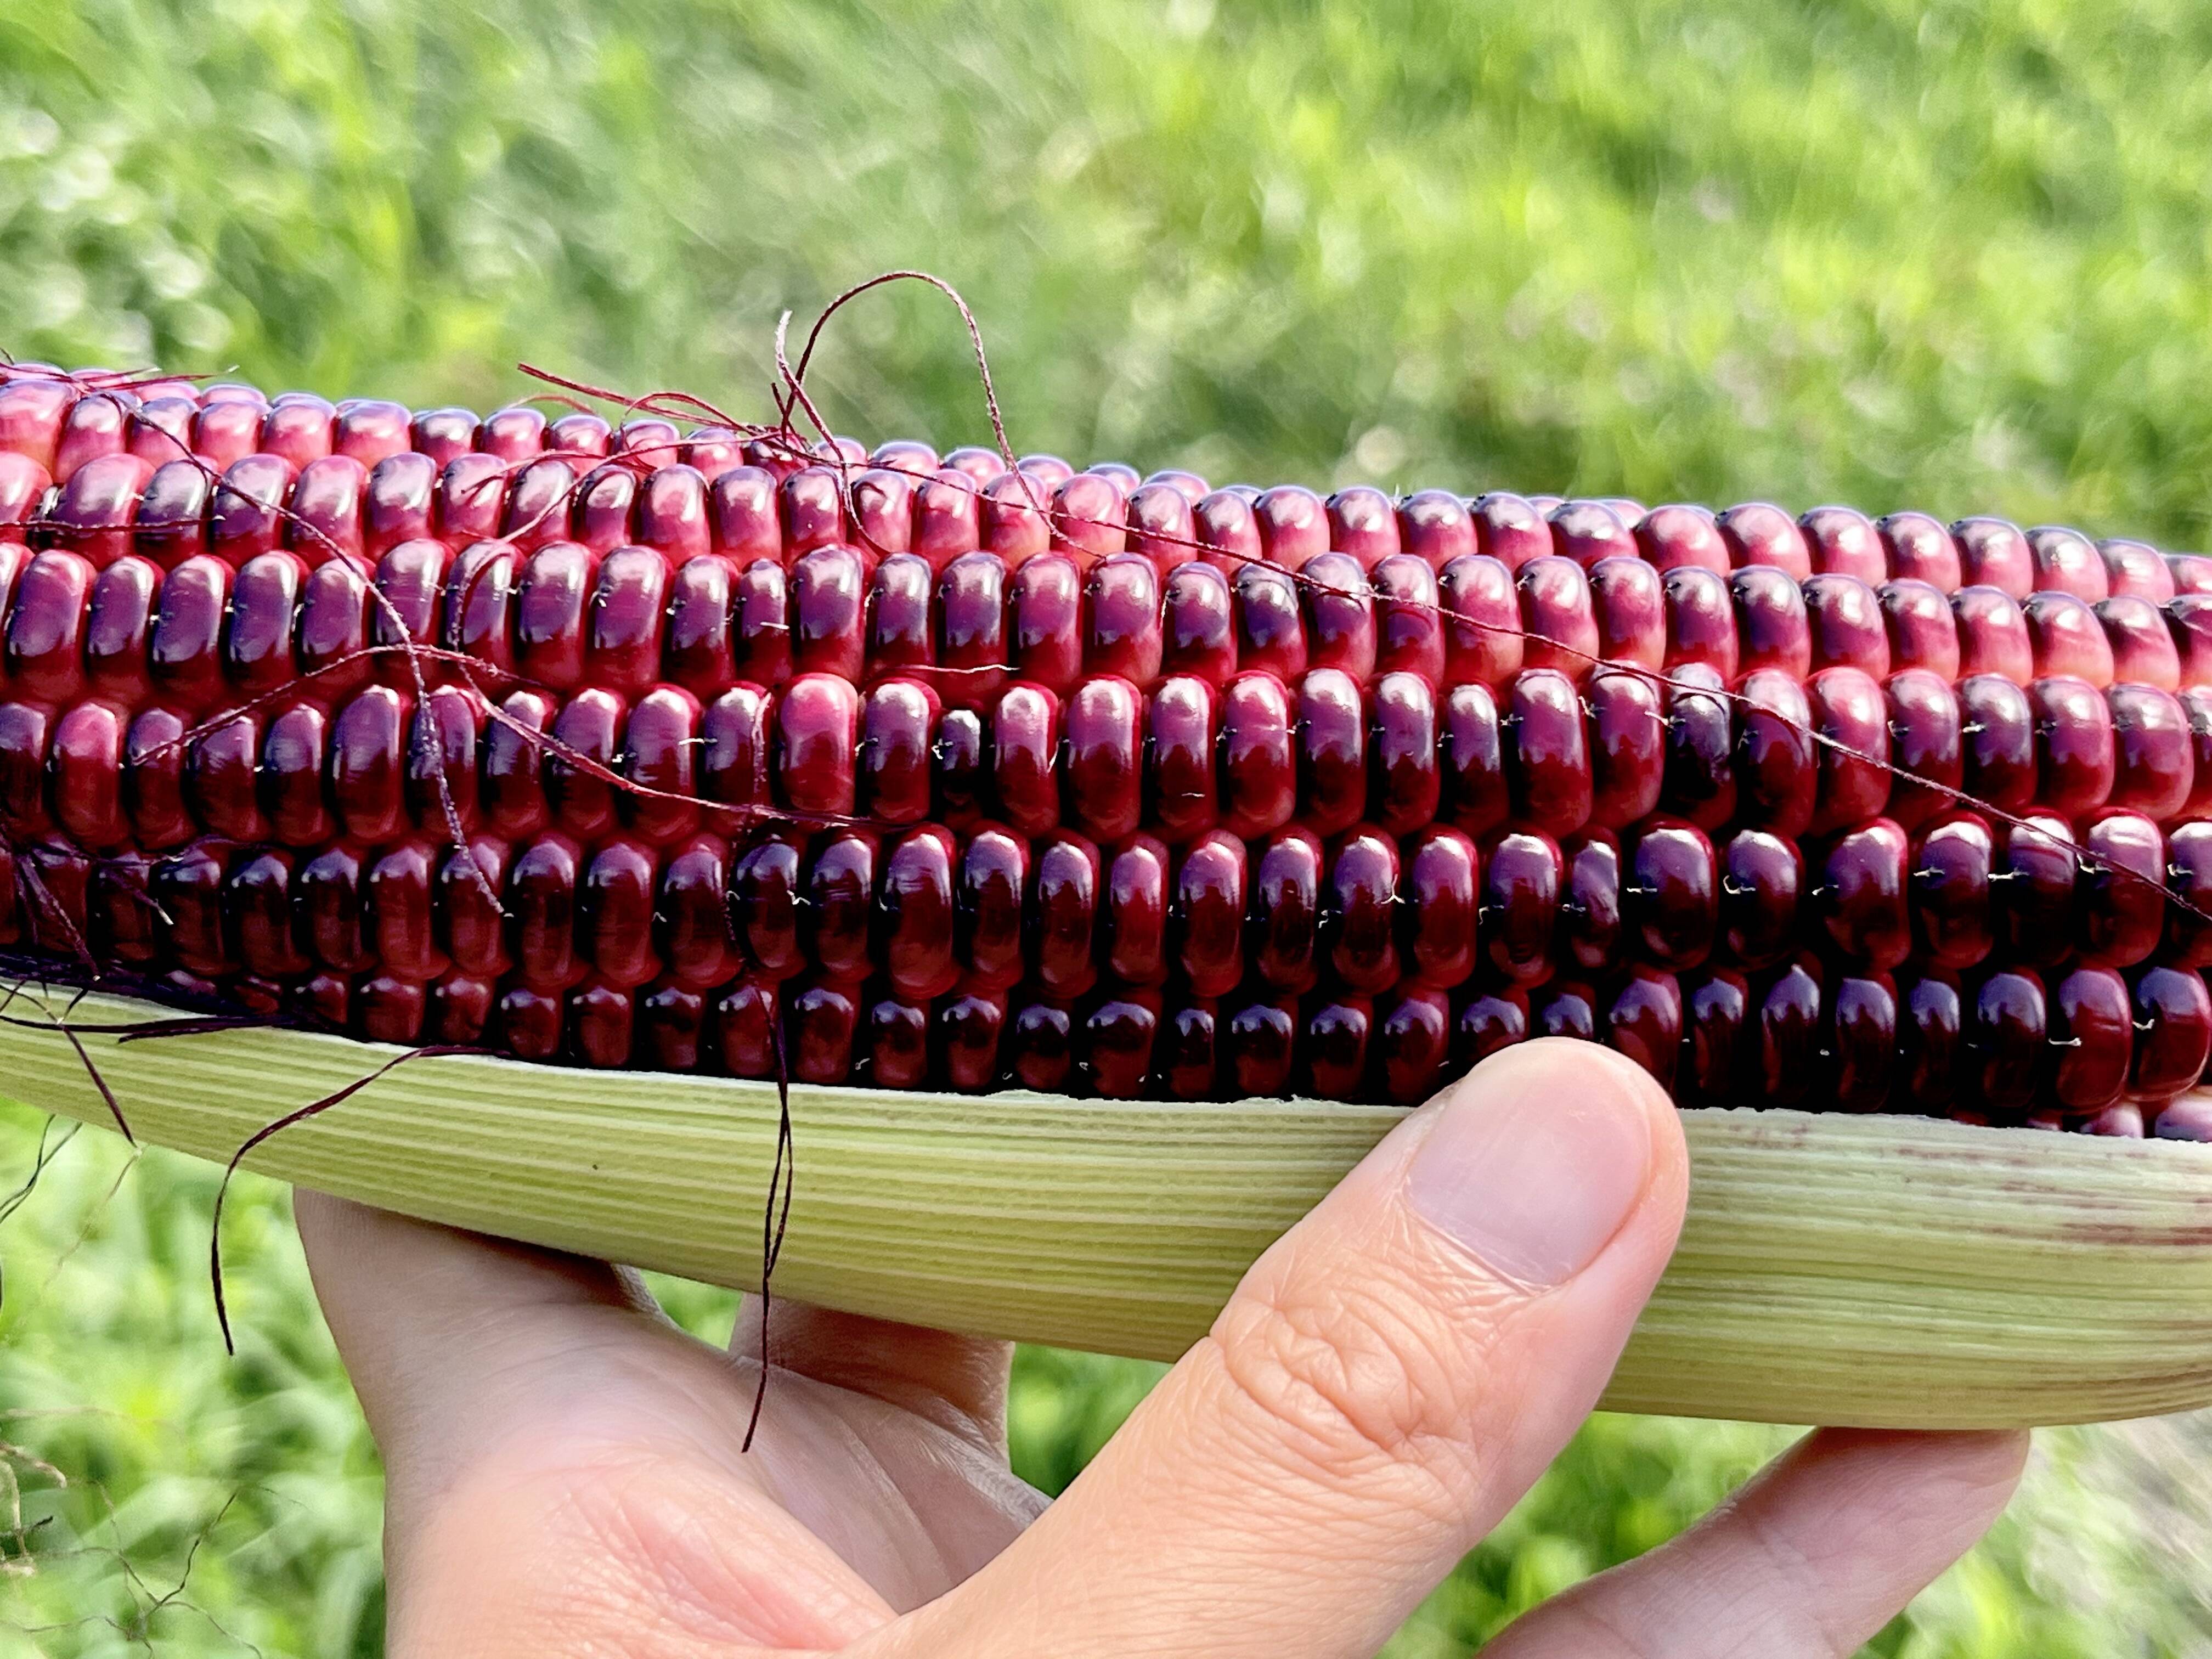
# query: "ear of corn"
[[1086, 783]]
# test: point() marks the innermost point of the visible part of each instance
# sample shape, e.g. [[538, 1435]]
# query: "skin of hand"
[[565, 1481]]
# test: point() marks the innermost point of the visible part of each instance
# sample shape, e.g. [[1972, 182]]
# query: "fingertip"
[[1571, 1067], [325, 1223], [1537, 1160], [1979, 1468]]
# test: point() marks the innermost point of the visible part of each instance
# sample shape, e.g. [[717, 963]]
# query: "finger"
[[1806, 1562], [561, 1463], [446, 1334], [1388, 1379], [958, 1382]]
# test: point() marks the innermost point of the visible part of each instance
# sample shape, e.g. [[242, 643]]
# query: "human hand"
[[564, 1476]]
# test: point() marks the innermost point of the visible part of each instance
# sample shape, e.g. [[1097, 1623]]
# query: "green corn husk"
[[1890, 1272]]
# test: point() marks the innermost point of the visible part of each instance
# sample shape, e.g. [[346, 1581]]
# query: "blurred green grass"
[[1949, 255]]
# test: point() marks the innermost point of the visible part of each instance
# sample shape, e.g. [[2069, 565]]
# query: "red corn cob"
[[626, 748]]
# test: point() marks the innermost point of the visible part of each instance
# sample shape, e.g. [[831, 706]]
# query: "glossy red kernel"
[[1993, 636], [896, 728], [829, 613], [1847, 626], [1122, 619], [1510, 529], [1759, 533], [1483, 640], [1627, 599], [1678, 538], [1435, 526], [1993, 553], [1920, 550], [1771, 627], [1844, 543], [1439, 900], [1922, 631], [1090, 517], [1133, 914], [1557, 616], [817, 727], [1700, 619], [1522, 875], [1363, 524], [1025, 758], [2065, 561], [1644, 1021], [1270, 626], [2154, 765], [1293, 526], [1850, 710], [1589, 531], [2076, 756], [1258, 756], [1331, 735], [2122, 898], [2137, 569]]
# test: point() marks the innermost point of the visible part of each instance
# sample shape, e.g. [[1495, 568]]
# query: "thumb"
[[1389, 1378]]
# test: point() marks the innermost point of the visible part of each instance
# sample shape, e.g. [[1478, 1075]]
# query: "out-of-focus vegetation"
[[1952, 256]]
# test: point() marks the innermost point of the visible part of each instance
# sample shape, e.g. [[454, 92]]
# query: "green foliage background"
[[1952, 256]]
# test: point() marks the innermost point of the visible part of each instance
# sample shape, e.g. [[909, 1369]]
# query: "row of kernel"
[[564, 616], [1363, 911], [585, 935], [127, 768]]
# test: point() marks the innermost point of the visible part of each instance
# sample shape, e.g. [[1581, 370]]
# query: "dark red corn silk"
[[1085, 781]]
